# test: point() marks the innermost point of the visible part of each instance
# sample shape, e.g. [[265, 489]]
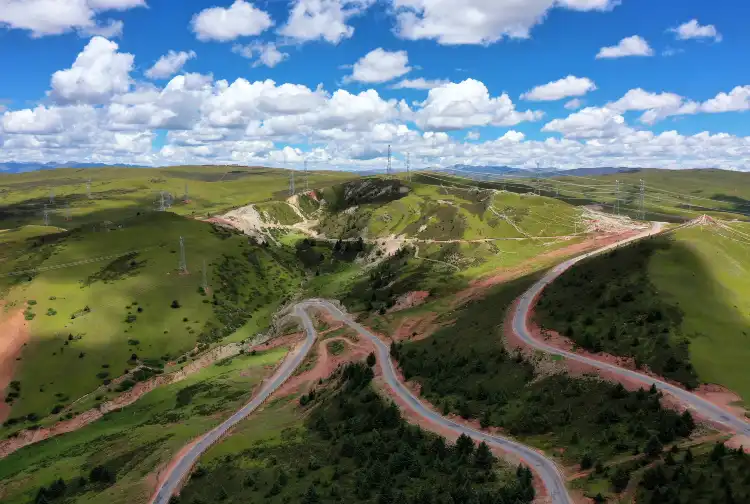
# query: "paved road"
[[287, 368], [700, 406], [545, 468]]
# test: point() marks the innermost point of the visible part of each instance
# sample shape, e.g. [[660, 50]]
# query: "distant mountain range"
[[13, 167], [541, 172]]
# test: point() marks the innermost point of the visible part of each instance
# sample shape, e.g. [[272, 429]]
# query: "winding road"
[[543, 467], [703, 408]]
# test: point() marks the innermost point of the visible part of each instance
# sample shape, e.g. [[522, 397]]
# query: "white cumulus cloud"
[[98, 72], [736, 100], [693, 30], [574, 104], [53, 17], [591, 122], [169, 64], [630, 46], [263, 53], [241, 19], [479, 21], [419, 83], [559, 89], [322, 19], [380, 65], [468, 104]]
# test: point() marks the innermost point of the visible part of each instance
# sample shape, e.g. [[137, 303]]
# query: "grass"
[[117, 193], [336, 347], [707, 276], [351, 445], [138, 439], [85, 315]]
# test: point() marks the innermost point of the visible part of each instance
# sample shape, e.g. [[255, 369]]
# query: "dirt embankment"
[[14, 334], [409, 300], [29, 437]]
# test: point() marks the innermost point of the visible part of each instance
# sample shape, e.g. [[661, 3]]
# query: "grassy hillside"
[[676, 193], [678, 304], [433, 212], [117, 193], [132, 300], [464, 368], [132, 443], [351, 446]]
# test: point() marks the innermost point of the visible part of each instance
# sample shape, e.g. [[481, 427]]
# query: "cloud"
[[379, 66], [630, 46], [241, 19], [467, 104], [322, 20], [657, 106], [38, 121], [419, 83], [98, 72], [267, 54], [112, 29], [563, 88], [736, 100], [574, 104], [479, 21], [693, 30], [169, 64], [54, 17], [591, 122]]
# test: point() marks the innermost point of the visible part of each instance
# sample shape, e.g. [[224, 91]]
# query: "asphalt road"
[[545, 468], [287, 368], [698, 405]]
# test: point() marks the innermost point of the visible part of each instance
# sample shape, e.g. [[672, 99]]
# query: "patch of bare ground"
[[155, 479], [480, 286], [14, 333], [416, 328], [325, 364], [409, 300], [29, 437]]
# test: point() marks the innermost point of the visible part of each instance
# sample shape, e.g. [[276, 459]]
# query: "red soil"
[[155, 479], [410, 300], [14, 333], [424, 325]]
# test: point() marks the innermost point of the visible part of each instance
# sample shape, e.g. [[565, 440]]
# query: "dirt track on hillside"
[[14, 334]]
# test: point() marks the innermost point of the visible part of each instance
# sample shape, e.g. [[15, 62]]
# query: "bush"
[[175, 304], [371, 359]]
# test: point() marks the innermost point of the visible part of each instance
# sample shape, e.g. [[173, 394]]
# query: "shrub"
[[371, 359], [175, 304]]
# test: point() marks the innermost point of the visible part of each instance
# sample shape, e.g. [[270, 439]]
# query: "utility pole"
[[88, 188], [388, 166], [643, 200], [408, 167], [183, 261]]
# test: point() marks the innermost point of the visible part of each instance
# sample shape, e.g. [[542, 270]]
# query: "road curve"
[[182, 468], [545, 468], [521, 314]]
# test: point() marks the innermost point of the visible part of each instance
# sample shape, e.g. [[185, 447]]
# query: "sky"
[[556, 83]]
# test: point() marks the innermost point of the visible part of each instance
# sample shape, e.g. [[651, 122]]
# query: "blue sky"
[[565, 83]]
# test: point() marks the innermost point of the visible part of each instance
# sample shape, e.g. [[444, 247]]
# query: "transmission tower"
[[68, 214], [183, 261], [52, 196], [408, 168], [88, 188], [46, 216], [291, 183], [162, 204], [186, 197], [205, 278], [643, 200], [388, 166]]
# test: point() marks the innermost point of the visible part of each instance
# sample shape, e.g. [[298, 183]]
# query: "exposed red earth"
[[14, 334]]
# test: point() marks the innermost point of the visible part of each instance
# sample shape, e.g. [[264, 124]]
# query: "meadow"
[[131, 444]]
